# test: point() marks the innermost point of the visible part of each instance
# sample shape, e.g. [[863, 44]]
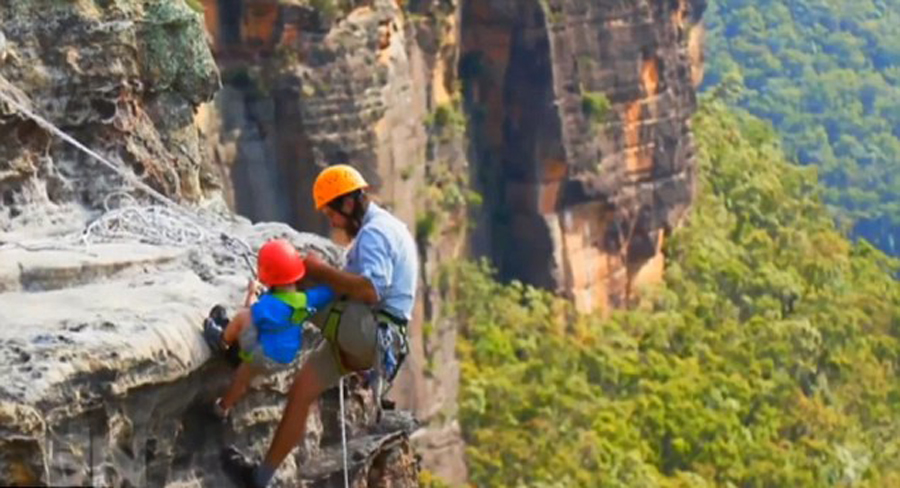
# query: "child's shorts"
[[252, 352]]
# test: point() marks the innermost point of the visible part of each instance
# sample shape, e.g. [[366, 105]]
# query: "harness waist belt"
[[393, 318]]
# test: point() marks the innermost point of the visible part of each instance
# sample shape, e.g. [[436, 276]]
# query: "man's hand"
[[342, 282], [314, 265]]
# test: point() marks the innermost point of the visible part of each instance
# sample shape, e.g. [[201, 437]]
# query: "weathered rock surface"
[[107, 379], [123, 77]]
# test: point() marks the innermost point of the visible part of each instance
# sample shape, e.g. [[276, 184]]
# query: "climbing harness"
[[330, 332], [391, 336], [391, 350]]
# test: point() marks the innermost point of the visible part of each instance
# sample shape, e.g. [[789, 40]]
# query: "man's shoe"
[[238, 468]]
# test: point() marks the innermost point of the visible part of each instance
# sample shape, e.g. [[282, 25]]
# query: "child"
[[270, 331]]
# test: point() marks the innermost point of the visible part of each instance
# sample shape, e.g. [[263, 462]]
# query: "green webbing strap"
[[297, 301], [331, 334], [384, 317]]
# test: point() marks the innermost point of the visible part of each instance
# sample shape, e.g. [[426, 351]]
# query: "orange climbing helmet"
[[335, 181], [279, 263]]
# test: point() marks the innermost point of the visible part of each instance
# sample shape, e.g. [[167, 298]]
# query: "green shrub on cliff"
[[770, 357], [595, 106]]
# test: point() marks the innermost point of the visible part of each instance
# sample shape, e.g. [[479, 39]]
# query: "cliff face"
[[569, 118], [106, 376], [578, 121], [123, 77], [582, 136]]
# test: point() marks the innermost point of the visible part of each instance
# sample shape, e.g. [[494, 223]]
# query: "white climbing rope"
[[154, 224], [343, 431], [71, 140], [166, 224]]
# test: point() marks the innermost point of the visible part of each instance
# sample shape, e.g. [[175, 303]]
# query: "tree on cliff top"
[[770, 357]]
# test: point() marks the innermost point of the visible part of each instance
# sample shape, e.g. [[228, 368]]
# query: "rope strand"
[[166, 224]]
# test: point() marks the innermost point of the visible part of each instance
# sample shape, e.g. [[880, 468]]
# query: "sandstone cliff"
[[105, 374], [581, 133], [577, 116]]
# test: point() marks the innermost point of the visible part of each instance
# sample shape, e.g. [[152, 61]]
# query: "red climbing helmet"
[[279, 263]]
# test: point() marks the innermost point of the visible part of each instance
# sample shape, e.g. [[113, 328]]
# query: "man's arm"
[[355, 286]]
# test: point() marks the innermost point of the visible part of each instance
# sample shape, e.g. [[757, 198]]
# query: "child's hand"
[[253, 287]]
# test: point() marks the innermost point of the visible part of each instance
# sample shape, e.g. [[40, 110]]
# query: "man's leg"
[[305, 389], [318, 373]]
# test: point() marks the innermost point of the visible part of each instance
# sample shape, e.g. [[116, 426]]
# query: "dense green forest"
[[826, 73], [770, 356]]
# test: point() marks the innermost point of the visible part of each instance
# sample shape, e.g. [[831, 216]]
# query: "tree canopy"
[[769, 357], [826, 73]]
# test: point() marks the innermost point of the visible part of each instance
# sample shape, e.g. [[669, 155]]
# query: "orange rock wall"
[[574, 203]]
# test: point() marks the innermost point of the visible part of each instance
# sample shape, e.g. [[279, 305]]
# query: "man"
[[378, 286]]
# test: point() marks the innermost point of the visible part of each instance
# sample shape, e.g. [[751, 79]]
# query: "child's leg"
[[233, 330], [239, 384]]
